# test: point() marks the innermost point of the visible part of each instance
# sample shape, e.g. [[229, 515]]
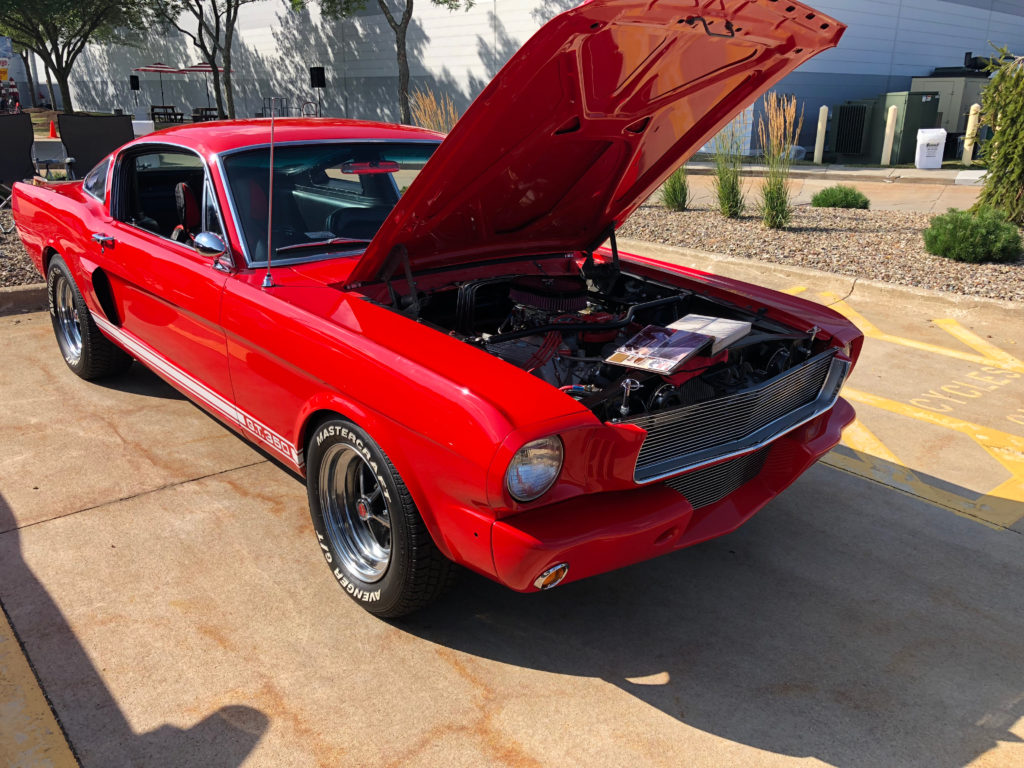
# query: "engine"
[[563, 328]]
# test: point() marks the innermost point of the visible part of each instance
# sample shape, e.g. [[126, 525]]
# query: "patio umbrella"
[[161, 69], [201, 69]]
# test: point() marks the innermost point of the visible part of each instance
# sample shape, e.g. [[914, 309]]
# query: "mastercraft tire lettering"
[[368, 529]]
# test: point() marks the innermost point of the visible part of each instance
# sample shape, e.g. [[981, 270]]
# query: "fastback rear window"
[[329, 199]]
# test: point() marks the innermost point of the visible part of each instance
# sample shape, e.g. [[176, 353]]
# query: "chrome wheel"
[[356, 513], [69, 331]]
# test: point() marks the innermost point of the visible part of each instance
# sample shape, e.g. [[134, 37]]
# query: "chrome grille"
[[703, 487], [706, 431]]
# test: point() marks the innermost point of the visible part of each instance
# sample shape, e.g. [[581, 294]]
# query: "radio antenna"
[[268, 280]]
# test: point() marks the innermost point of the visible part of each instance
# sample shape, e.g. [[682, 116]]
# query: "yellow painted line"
[[978, 344], [795, 290], [984, 508], [869, 329], [861, 439], [29, 734], [1005, 448]]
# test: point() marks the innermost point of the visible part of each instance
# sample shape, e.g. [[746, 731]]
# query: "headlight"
[[534, 469]]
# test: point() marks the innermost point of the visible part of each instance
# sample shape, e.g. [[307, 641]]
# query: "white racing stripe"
[[199, 392]]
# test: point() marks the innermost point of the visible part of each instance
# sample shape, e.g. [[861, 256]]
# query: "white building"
[[887, 43]]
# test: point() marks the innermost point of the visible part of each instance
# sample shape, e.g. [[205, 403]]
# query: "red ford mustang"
[[432, 332]]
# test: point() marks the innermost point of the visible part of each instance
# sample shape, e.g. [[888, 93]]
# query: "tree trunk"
[[229, 38], [403, 74], [49, 87], [229, 95], [64, 83], [28, 75], [216, 88]]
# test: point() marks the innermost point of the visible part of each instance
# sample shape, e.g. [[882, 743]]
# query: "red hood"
[[587, 120]]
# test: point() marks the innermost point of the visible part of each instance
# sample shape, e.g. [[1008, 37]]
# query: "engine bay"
[[562, 327]]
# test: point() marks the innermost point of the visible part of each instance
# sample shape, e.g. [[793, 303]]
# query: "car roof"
[[223, 136]]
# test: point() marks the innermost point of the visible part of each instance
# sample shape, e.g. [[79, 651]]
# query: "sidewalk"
[[838, 173], [884, 195]]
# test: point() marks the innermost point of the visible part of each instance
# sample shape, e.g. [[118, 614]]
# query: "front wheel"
[[368, 528]]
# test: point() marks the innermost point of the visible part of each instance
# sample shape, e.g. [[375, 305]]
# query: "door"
[[167, 297]]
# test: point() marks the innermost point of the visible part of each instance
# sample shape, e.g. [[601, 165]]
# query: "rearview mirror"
[[209, 245], [373, 166]]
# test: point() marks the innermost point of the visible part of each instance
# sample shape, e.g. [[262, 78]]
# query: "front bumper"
[[601, 532]]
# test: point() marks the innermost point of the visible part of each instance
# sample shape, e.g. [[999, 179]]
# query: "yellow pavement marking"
[[1005, 448], [861, 439], [992, 355], [795, 290], [978, 344], [29, 734]]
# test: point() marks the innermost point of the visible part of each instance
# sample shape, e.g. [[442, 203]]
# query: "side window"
[[96, 182], [162, 191]]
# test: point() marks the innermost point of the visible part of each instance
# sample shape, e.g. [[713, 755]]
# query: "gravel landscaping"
[[15, 266], [878, 245]]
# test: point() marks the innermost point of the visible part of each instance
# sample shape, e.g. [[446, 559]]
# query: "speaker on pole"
[[317, 78], [133, 80]]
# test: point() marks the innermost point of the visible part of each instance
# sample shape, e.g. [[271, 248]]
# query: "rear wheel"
[[86, 351], [368, 527]]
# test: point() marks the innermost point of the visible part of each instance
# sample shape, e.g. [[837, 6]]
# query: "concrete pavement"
[[166, 585]]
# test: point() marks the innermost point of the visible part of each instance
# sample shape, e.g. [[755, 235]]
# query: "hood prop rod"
[[399, 256]]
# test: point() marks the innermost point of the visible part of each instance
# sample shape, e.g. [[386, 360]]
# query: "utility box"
[[931, 145], [956, 95], [916, 110], [849, 133]]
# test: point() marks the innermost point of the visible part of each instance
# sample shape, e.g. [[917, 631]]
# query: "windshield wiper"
[[320, 244]]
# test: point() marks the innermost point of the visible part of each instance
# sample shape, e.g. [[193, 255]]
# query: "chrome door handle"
[[105, 241]]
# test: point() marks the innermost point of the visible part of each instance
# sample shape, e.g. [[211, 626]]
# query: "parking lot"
[[164, 583]]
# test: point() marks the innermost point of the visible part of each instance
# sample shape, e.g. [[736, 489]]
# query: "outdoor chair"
[[88, 139], [16, 162]]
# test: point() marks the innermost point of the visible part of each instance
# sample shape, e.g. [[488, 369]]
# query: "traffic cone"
[[53, 130]]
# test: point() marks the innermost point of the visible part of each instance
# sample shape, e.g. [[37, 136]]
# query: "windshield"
[[329, 199]]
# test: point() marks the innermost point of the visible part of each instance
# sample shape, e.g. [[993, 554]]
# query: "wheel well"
[[48, 254], [314, 420]]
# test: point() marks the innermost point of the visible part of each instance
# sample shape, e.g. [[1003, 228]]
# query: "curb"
[[20, 299], [705, 261]]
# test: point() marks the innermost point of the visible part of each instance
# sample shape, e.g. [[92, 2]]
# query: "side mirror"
[[209, 245]]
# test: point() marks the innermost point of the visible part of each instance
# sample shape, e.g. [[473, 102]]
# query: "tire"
[[84, 348], [368, 528]]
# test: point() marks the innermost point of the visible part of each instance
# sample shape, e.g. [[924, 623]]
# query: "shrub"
[[1003, 110], [984, 235], [434, 112], [676, 193], [840, 196], [728, 161], [776, 209], [777, 135]]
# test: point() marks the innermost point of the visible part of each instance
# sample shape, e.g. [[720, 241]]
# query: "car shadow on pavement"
[[863, 627], [139, 380], [223, 739]]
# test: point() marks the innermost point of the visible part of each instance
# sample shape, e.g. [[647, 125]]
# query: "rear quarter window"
[[96, 181]]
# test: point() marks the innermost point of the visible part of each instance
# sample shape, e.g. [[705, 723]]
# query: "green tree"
[[1003, 109], [210, 25], [57, 31], [398, 14]]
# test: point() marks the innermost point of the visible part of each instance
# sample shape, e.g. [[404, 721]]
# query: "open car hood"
[[586, 121]]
